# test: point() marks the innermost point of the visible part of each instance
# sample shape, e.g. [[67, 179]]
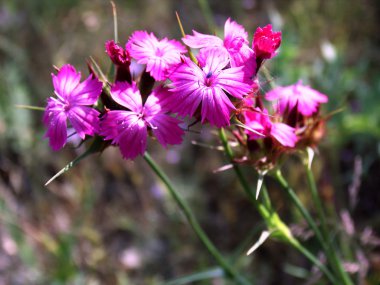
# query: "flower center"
[[209, 79], [66, 106]]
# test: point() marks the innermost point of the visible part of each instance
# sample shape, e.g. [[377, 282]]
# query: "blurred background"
[[109, 221]]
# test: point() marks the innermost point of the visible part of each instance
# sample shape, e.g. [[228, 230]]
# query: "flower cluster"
[[218, 86]]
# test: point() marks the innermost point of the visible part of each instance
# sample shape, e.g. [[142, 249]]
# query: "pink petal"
[[109, 124], [199, 40], [87, 92], [85, 120], [213, 59], [284, 134], [66, 80], [57, 130], [306, 98], [234, 35], [258, 120], [159, 56], [166, 129], [133, 140], [233, 81], [127, 95], [216, 107]]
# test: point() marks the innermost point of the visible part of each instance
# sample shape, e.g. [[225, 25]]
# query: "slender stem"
[[114, 13], [293, 196], [330, 252], [244, 183], [316, 199], [35, 108], [266, 197], [268, 214], [315, 261], [230, 272], [207, 13]]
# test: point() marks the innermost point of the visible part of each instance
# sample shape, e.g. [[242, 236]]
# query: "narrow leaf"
[[114, 13], [192, 57], [98, 70], [249, 129], [28, 107], [96, 146], [208, 274]]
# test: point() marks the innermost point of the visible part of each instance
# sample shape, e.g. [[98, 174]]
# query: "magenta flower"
[[129, 129], [266, 42], [235, 43], [193, 85], [258, 121], [159, 56], [73, 102], [117, 54], [304, 98]]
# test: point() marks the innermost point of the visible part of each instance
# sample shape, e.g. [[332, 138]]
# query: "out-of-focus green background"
[[109, 221]]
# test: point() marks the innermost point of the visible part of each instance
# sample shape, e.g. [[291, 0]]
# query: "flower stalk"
[[322, 238], [322, 217], [280, 230], [185, 209]]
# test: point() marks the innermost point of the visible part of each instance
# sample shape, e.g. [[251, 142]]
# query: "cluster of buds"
[[158, 83]]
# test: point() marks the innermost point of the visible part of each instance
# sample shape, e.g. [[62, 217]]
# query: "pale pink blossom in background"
[[304, 98]]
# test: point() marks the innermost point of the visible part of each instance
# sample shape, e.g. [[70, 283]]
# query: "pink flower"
[[266, 42], [129, 129], [258, 121], [304, 98], [235, 43], [159, 56], [117, 54], [73, 102], [206, 85]]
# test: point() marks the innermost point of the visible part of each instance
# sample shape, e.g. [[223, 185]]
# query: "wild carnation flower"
[[235, 43], [73, 102], [117, 54], [206, 85], [266, 42], [159, 56], [304, 98], [258, 120], [129, 129]]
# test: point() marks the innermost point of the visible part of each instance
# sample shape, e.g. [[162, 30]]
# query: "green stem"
[[316, 199], [207, 13], [315, 261], [293, 196], [330, 253], [268, 215], [230, 272]]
